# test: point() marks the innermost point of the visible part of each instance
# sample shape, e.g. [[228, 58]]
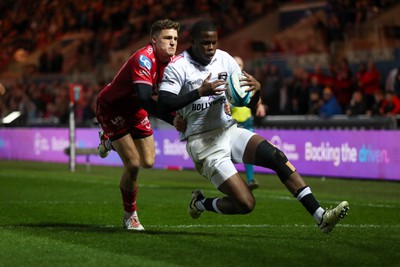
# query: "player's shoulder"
[[221, 54], [176, 58], [146, 51], [177, 62], [144, 57]]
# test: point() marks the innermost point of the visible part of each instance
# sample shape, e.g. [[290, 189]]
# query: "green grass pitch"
[[52, 217]]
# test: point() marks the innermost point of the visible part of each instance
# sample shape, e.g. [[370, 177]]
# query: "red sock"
[[129, 200]]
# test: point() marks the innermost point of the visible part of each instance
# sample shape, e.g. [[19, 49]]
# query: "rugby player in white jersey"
[[194, 85]]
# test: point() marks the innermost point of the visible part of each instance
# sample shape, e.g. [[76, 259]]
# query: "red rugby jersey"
[[142, 67]]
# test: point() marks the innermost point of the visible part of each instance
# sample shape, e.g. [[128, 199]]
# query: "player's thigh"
[[127, 151], [240, 139], [146, 149], [249, 155]]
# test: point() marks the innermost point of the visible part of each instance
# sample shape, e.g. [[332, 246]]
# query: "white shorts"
[[215, 152]]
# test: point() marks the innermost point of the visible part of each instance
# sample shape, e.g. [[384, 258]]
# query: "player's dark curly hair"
[[202, 26], [164, 24]]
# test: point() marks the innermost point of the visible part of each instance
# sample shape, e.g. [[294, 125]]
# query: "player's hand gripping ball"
[[236, 91]]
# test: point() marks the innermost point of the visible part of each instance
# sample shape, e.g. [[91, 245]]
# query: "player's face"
[[165, 44], [204, 46]]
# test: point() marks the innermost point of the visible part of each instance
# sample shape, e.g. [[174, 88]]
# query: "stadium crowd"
[[312, 92], [332, 91], [32, 25]]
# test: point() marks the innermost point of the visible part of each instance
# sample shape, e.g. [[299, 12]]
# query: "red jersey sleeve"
[[144, 66]]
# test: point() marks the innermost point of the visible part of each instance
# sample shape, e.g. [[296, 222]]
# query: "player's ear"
[[153, 39]]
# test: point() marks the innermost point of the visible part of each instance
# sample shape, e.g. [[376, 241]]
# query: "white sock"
[[214, 203], [318, 215], [199, 205]]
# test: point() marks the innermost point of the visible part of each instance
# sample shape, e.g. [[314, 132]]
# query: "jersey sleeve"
[[173, 78], [234, 66], [142, 69]]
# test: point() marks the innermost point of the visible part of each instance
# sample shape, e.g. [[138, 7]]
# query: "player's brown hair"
[[163, 24]]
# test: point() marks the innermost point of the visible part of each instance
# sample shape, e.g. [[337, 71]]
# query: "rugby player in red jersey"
[[123, 107]]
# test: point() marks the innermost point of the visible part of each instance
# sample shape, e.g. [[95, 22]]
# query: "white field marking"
[[291, 198], [207, 226], [185, 226], [335, 202], [55, 202], [373, 205]]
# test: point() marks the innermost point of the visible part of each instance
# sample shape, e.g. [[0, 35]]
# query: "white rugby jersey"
[[184, 74]]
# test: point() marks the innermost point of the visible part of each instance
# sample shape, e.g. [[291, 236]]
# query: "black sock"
[[306, 197], [208, 204]]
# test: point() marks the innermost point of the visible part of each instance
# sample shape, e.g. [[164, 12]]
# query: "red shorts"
[[123, 117]]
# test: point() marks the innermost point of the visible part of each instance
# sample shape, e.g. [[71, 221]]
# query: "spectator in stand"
[[390, 82], [298, 95], [271, 90], [391, 105], [362, 69], [396, 87], [343, 83], [319, 79], [330, 105], [376, 108], [369, 82], [357, 105], [314, 85], [315, 103]]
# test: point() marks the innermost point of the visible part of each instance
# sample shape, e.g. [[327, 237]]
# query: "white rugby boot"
[[332, 216], [102, 149], [133, 223], [193, 211]]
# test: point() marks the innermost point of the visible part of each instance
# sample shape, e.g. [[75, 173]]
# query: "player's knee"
[[246, 206], [271, 157], [148, 164], [132, 168], [132, 171]]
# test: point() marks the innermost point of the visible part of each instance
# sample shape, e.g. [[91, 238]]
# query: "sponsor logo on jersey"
[[118, 121], [145, 62], [196, 82], [203, 106], [166, 79], [146, 123], [222, 76], [143, 73]]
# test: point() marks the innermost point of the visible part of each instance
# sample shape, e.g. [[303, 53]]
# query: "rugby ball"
[[235, 92]]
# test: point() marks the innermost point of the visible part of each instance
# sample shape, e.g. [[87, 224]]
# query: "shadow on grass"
[[90, 228]]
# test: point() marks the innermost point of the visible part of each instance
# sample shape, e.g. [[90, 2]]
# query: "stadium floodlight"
[[11, 117]]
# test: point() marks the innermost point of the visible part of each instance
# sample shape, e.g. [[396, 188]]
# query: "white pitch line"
[[185, 226], [208, 226]]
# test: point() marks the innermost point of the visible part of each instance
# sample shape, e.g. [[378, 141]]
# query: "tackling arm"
[[144, 93], [169, 102]]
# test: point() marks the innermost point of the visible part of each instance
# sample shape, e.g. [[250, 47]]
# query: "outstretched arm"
[[169, 102], [144, 92]]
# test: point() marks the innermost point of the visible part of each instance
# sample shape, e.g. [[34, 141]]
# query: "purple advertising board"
[[335, 153]]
